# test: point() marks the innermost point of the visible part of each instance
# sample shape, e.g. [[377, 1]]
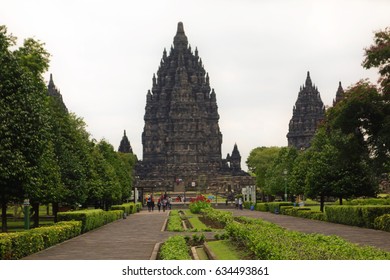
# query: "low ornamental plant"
[[199, 203], [174, 221], [175, 248], [16, 245], [268, 241]]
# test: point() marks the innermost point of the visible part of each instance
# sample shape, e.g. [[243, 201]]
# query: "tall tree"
[[24, 118]]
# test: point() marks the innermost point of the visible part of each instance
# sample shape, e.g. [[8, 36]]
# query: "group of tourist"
[[164, 202]]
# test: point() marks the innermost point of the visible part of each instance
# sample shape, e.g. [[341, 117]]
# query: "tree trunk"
[[340, 200], [322, 202], [35, 207], [4, 227], [55, 211]]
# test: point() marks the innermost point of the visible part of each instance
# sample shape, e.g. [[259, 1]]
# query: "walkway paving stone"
[[134, 238]]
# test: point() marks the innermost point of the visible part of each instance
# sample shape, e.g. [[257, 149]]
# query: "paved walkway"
[[134, 238]]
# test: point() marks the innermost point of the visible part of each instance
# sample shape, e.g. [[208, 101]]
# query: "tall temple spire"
[[308, 80], [339, 94], [124, 146], [55, 93], [180, 41], [308, 112]]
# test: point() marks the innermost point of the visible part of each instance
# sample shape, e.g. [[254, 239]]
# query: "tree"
[[277, 178], [378, 55], [23, 118], [260, 160]]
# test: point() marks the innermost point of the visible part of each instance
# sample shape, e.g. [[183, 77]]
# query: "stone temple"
[[308, 112], [181, 138]]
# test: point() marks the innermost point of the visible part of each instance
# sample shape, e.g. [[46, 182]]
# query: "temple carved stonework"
[[308, 112], [181, 138]]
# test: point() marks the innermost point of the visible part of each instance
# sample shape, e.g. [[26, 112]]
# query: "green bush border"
[[91, 219], [361, 216], [382, 222], [175, 248], [17, 245]]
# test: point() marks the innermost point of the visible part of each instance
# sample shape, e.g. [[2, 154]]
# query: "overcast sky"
[[257, 53]]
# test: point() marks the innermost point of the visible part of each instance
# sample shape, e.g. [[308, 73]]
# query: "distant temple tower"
[[339, 94], [125, 146], [181, 138], [308, 112], [55, 94]]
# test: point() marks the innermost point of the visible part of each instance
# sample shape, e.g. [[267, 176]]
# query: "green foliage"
[[378, 55], [268, 241], [278, 175], [303, 212], [220, 217], [361, 216], [368, 201], [382, 222], [91, 219], [263, 206], [18, 245], [260, 160], [174, 221], [198, 204], [128, 208], [274, 207], [175, 248]]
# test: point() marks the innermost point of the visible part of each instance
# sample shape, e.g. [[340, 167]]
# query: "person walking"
[[159, 204], [240, 203]]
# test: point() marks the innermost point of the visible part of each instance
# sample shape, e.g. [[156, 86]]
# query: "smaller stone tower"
[[339, 94], [308, 112], [53, 92], [125, 146]]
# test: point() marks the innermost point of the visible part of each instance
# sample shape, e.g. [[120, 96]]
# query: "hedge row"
[[174, 221], [175, 248], [361, 216], [382, 222], [91, 219], [303, 212], [17, 245], [273, 207], [368, 201], [220, 217], [128, 208], [268, 241]]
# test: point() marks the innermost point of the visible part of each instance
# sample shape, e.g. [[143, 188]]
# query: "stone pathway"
[[134, 238]]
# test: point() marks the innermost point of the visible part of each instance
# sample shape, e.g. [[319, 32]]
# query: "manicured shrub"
[[128, 208], [274, 207], [361, 216], [368, 201], [199, 203], [175, 248], [220, 217], [268, 241], [262, 207], [382, 222], [91, 219], [174, 221], [17, 245]]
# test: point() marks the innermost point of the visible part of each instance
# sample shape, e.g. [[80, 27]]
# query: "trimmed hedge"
[[262, 207], [274, 207], [91, 219], [368, 201], [303, 212], [17, 245], [174, 221], [175, 248], [220, 217], [268, 241], [382, 222], [361, 216], [128, 208]]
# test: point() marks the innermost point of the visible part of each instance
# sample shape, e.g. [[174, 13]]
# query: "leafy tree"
[[23, 117], [278, 175], [378, 55], [260, 160]]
